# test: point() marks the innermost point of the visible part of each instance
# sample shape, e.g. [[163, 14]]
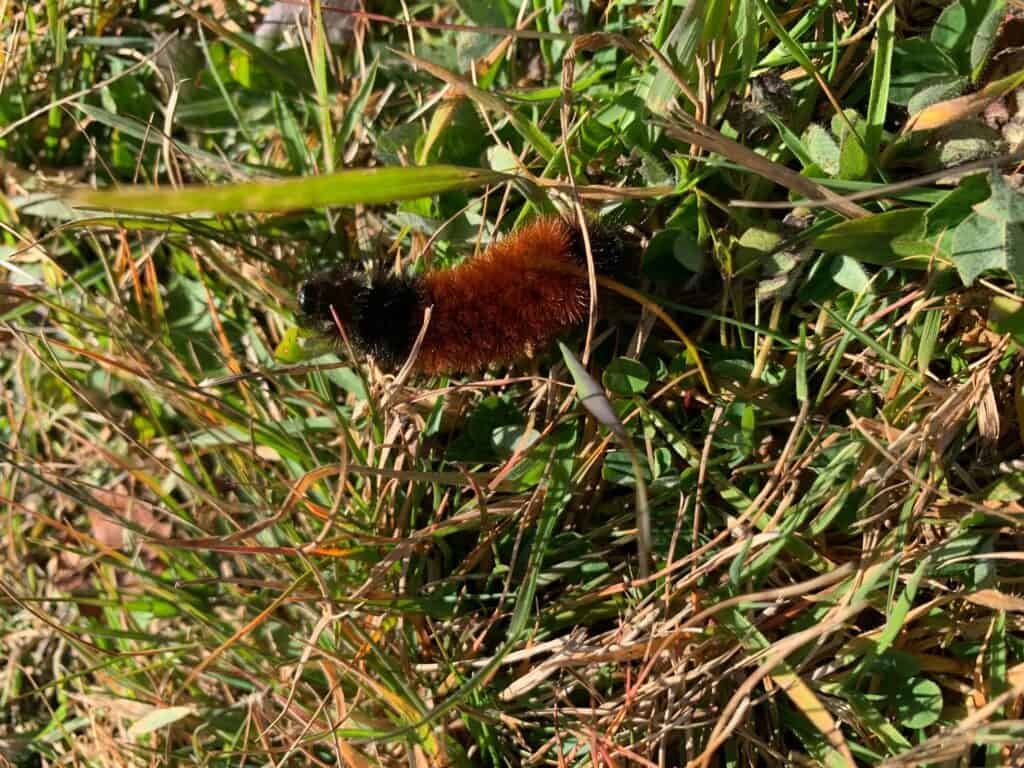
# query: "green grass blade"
[[881, 75], [366, 186]]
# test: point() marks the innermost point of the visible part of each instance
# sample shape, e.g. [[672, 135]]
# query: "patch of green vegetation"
[[230, 543]]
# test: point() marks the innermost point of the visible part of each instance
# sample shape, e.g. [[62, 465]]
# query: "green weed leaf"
[[625, 376], [992, 237], [871, 239], [916, 63], [919, 703]]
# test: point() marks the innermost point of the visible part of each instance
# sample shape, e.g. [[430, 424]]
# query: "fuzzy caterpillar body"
[[524, 290]]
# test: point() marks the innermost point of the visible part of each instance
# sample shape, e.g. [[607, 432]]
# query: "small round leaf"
[[919, 703], [626, 377]]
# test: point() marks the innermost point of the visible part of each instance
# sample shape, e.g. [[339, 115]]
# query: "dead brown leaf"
[[1000, 601]]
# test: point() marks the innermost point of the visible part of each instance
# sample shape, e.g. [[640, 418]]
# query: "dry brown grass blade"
[[996, 600], [946, 175], [673, 638], [950, 743], [682, 127], [71, 98], [263, 615], [791, 683]]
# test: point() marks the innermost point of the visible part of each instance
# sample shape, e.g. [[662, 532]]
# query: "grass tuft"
[[773, 520]]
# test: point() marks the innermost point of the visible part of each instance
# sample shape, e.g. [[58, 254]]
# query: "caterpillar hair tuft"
[[524, 290]]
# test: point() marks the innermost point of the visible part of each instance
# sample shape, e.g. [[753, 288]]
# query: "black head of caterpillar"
[[375, 313], [606, 246], [523, 290]]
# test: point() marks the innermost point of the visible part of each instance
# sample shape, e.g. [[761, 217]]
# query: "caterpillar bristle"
[[525, 289]]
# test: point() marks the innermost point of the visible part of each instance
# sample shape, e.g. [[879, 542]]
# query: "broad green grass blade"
[[366, 186], [880, 78], [902, 606]]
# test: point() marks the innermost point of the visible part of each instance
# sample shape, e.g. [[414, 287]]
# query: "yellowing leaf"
[[952, 110], [808, 702]]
